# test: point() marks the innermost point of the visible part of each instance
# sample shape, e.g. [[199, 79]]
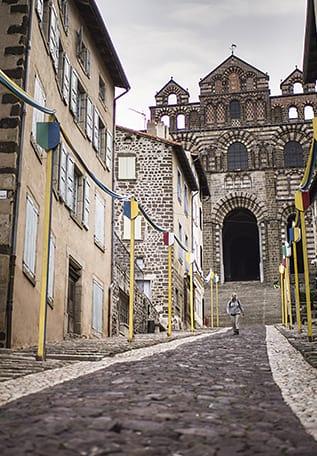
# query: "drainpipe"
[[16, 202], [112, 284]]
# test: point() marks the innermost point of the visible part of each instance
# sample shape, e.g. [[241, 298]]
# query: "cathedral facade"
[[254, 148]]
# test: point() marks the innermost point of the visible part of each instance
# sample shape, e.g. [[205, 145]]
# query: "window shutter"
[[97, 307], [87, 61], [30, 235], [54, 36], [96, 129], [74, 92], [39, 8], [100, 221], [82, 110], [89, 119], [70, 183], [39, 96], [51, 270], [63, 172], [66, 78], [109, 151], [86, 203]]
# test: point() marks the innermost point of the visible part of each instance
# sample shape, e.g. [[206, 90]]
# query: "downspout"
[[16, 203], [111, 289]]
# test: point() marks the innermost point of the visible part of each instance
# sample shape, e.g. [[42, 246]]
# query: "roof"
[[235, 60], [171, 81], [310, 47], [296, 71], [179, 152], [95, 24], [203, 182]]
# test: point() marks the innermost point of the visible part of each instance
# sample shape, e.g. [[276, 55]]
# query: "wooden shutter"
[[97, 307], [63, 171], [82, 110], [66, 78], [53, 38], [74, 92], [96, 129], [70, 200], [87, 61], [86, 203], [89, 119], [100, 220], [51, 270], [39, 8], [31, 221], [109, 151]]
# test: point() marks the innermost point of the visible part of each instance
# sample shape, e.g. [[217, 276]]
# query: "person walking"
[[235, 309]]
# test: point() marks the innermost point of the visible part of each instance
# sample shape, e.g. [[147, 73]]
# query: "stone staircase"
[[261, 302]]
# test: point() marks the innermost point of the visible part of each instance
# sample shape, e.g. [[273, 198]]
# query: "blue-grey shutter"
[[97, 307], [63, 172], [54, 36], [109, 150], [74, 92], [66, 79], [86, 203], [70, 183], [89, 119], [96, 129]]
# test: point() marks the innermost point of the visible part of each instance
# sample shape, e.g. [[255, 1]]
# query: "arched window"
[[277, 114], [293, 155], [250, 85], [234, 82], [235, 109], [180, 121], [308, 113], [193, 119], [218, 86], [237, 156], [298, 87], [166, 120], [209, 114], [292, 113], [172, 99]]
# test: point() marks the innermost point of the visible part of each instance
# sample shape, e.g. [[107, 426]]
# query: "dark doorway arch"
[[299, 248], [241, 253]]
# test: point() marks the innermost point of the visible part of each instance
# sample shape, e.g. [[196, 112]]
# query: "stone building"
[[169, 183], [60, 52], [254, 147]]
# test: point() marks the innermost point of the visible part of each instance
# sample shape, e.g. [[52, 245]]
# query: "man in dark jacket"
[[235, 309]]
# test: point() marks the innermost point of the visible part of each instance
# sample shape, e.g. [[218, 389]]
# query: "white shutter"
[[63, 171], [51, 269], [100, 220], [39, 96], [31, 222], [86, 203], [109, 151], [97, 307], [66, 78], [74, 92], [96, 129], [39, 8], [54, 36], [89, 119], [70, 183]]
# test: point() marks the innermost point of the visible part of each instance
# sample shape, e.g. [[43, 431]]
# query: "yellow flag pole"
[[133, 215], [211, 300], [297, 296], [288, 290], [306, 275], [285, 300], [217, 302], [191, 297], [169, 326], [41, 352], [282, 292]]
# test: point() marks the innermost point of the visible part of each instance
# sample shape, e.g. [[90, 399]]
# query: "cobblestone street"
[[211, 396]]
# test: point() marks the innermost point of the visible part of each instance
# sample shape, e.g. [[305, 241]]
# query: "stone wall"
[[14, 26]]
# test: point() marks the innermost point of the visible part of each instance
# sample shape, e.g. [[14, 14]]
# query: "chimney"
[[158, 129]]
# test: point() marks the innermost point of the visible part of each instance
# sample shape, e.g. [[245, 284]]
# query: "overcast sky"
[[186, 39]]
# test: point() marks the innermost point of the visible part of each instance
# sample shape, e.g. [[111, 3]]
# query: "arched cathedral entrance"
[[241, 254]]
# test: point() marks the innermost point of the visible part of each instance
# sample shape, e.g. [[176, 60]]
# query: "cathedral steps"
[[261, 302]]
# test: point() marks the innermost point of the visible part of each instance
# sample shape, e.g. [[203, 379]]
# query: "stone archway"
[[241, 253]]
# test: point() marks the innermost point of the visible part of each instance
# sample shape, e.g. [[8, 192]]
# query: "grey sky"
[[186, 39]]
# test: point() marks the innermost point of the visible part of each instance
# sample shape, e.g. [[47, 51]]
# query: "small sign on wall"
[[3, 194]]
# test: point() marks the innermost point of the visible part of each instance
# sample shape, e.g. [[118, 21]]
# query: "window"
[[186, 199], [293, 155], [126, 167], [180, 121], [99, 221], [97, 306], [292, 113], [237, 156], [38, 116], [83, 53], [172, 99], [127, 228], [308, 113], [277, 114], [102, 90], [235, 110], [144, 285], [179, 186], [100, 138], [64, 13], [298, 87], [234, 82], [31, 224], [51, 274], [81, 114], [166, 120]]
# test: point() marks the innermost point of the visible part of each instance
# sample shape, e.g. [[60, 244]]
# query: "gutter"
[[16, 202]]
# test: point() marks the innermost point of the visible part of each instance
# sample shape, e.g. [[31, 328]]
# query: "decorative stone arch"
[[249, 75], [280, 109], [223, 207], [286, 133], [233, 136]]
